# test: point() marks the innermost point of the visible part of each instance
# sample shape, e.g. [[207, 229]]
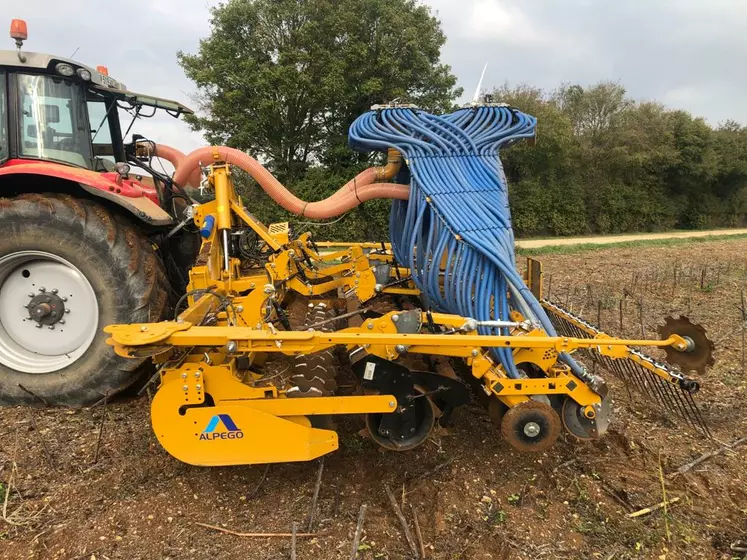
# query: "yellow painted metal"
[[291, 342], [263, 425], [364, 245], [220, 179], [564, 385], [382, 404], [258, 437], [246, 420], [533, 278], [272, 240], [611, 347]]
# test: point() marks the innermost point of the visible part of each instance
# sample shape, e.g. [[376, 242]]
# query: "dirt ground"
[[475, 498]]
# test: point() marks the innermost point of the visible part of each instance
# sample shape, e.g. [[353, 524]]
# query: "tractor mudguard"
[[137, 198]]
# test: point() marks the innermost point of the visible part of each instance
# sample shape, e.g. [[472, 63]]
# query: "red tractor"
[[89, 231]]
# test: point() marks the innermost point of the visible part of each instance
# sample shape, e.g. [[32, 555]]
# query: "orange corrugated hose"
[[360, 189], [175, 157]]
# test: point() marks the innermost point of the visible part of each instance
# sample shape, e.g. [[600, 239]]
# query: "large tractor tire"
[[68, 268]]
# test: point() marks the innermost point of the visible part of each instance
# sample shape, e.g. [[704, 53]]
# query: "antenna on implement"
[[476, 98]]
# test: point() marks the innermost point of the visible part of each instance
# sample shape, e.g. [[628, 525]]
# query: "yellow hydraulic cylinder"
[[223, 189]]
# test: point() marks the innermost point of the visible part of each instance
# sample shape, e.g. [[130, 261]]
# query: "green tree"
[[283, 79]]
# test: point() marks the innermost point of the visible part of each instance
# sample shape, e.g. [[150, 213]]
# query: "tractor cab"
[[59, 111]]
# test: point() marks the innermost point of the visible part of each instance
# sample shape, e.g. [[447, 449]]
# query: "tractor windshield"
[[53, 120]]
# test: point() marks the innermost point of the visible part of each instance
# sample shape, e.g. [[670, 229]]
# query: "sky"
[[687, 54]]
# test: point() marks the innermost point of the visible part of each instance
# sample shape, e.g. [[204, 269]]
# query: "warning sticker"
[[369, 372]]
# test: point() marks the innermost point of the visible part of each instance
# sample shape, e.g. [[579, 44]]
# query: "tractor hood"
[[99, 81]]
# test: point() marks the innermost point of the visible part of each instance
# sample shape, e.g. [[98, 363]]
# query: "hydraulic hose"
[[173, 156], [359, 189], [454, 232]]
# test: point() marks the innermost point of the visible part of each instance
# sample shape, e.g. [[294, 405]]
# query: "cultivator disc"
[[581, 427], [701, 354], [659, 382]]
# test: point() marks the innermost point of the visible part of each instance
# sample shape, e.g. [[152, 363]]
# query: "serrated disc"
[[697, 359]]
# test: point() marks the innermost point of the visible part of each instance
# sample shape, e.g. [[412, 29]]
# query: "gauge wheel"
[[531, 426], [68, 268]]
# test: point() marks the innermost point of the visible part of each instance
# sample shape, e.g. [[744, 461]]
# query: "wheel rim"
[[49, 314]]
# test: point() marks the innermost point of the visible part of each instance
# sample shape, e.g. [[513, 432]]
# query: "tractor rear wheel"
[[68, 268]]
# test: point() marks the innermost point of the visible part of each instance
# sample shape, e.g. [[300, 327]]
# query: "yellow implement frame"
[[210, 393]]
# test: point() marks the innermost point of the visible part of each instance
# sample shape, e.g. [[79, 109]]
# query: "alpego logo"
[[230, 431]]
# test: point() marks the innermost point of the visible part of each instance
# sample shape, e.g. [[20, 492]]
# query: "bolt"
[[401, 348], [64, 299], [143, 328], [198, 386], [38, 325], [184, 376], [370, 326], [357, 274], [51, 327], [31, 294], [474, 353], [231, 347], [67, 311], [185, 388], [378, 288], [61, 321], [391, 404], [54, 290], [42, 289], [395, 318], [239, 308], [532, 429], [197, 373]]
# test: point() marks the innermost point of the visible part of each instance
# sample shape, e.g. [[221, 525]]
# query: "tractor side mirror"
[[31, 131], [51, 114]]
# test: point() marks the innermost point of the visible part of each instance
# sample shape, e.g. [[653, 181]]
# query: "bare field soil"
[[475, 497]]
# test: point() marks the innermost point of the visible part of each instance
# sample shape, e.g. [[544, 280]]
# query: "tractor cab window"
[[101, 135], [3, 118], [53, 120]]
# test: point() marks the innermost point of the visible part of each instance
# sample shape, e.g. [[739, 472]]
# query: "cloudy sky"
[[688, 54]]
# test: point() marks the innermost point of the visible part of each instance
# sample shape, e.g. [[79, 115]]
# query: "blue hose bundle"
[[455, 230]]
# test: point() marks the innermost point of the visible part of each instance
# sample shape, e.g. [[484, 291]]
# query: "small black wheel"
[[531, 426]]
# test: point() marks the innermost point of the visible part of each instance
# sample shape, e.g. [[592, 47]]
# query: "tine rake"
[[658, 382]]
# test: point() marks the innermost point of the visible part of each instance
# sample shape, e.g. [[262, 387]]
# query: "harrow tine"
[[675, 404], [698, 416], [654, 386], [644, 383]]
